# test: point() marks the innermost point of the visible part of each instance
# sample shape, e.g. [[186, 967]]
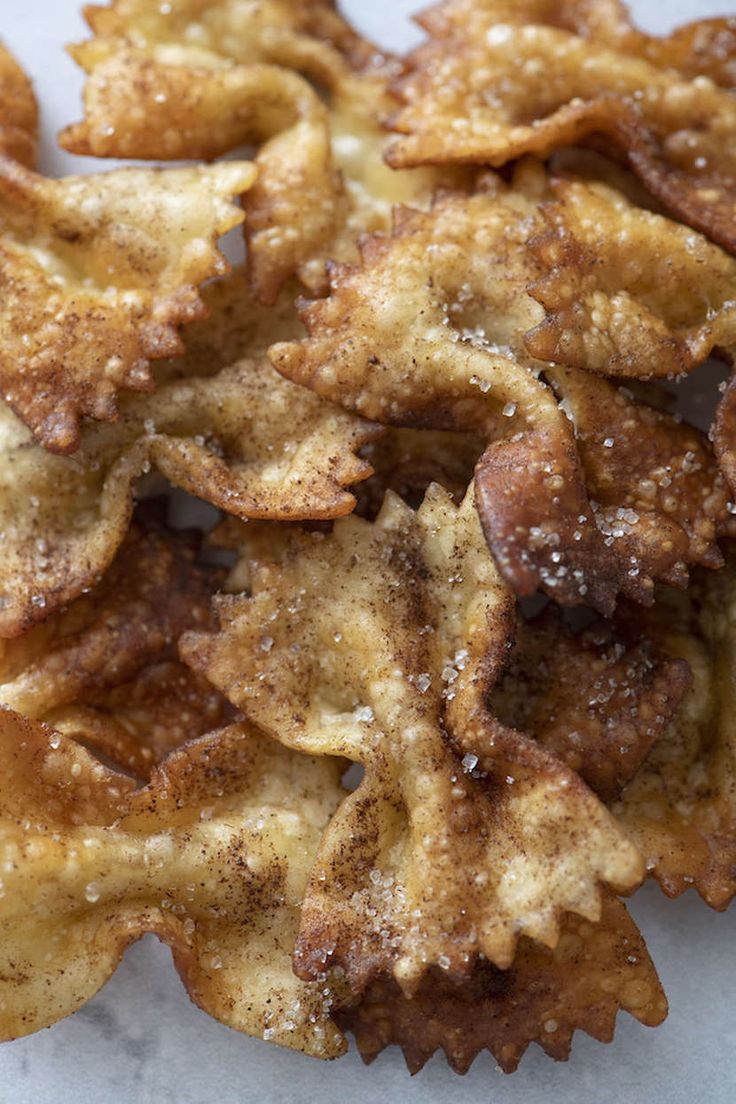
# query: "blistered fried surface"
[[141, 54], [172, 98], [106, 671], [18, 112], [681, 805], [211, 856], [626, 291], [318, 191], [243, 439], [97, 273], [378, 642], [499, 79], [595, 702], [316, 194], [196, 81], [358, 106], [448, 353], [595, 970]]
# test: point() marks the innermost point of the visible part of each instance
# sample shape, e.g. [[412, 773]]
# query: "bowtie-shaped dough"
[[212, 856], [379, 643], [106, 671], [582, 510], [97, 273], [659, 497], [501, 78], [232, 66], [629, 293], [626, 291], [197, 80], [242, 439]]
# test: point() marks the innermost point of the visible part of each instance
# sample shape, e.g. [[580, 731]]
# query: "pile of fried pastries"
[[446, 665]]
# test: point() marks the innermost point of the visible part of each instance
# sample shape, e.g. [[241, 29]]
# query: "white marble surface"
[[142, 1042]]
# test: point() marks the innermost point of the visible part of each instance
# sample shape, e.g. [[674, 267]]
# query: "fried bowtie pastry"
[[97, 273], [240, 61], [212, 856], [242, 439], [626, 291], [106, 670], [578, 505], [631, 294], [641, 709], [497, 79], [199, 79], [379, 642], [659, 497]]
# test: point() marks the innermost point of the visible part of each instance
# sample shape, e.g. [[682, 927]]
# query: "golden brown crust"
[[460, 331], [706, 47], [69, 343], [544, 997], [197, 82], [502, 78], [193, 82], [97, 273], [104, 670], [626, 291], [450, 355], [136, 724], [309, 38], [242, 439], [514, 779], [653, 480], [141, 107], [540, 525], [379, 642]]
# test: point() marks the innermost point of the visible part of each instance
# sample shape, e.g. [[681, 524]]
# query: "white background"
[[142, 1042]]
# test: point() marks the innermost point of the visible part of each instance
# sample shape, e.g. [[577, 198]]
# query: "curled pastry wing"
[[680, 807], [97, 274], [294, 79], [626, 291]]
